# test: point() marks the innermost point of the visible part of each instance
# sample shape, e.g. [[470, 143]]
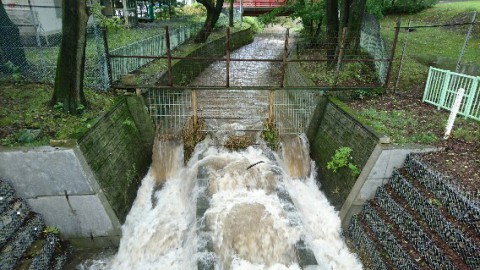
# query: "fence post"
[[270, 108], [227, 45], [169, 57], [467, 38], [394, 47], [445, 84], [285, 56], [429, 83], [194, 107], [404, 49], [471, 97], [107, 56]]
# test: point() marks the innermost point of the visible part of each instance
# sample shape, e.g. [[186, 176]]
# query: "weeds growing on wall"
[[271, 136], [342, 158], [192, 134]]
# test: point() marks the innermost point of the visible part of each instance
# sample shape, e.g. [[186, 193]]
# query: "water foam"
[[246, 220]]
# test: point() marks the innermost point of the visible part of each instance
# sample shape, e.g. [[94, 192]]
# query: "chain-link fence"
[[450, 43], [31, 38], [338, 60]]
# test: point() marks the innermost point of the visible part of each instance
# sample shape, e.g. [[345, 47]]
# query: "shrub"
[[380, 7], [257, 26]]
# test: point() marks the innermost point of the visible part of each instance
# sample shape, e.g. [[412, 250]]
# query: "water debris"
[[255, 164]]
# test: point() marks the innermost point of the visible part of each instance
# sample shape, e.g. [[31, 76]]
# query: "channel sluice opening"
[[247, 208]]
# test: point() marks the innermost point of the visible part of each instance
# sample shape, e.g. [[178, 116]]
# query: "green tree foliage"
[[311, 13]]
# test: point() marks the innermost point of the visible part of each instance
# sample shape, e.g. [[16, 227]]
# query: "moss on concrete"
[[118, 149], [336, 128]]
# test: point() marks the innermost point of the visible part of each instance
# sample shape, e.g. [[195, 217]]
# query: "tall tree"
[[214, 8], [11, 50], [230, 12], [332, 30], [352, 17], [71, 59]]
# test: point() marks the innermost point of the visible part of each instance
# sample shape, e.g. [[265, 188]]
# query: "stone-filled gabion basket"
[[25, 241]]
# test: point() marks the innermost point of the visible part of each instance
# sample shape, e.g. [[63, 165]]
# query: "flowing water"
[[249, 209], [252, 219]]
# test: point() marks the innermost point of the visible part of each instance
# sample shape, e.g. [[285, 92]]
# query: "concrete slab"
[[44, 171], [79, 216]]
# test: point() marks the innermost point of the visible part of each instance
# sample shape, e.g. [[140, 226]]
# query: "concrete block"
[[79, 216], [44, 171], [368, 190]]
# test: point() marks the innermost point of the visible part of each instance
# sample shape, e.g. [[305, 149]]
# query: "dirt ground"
[[460, 158]]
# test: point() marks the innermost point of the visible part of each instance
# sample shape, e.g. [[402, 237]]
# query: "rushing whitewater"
[[254, 216]]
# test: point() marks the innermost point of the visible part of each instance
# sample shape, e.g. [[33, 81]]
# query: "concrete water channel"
[[220, 212]]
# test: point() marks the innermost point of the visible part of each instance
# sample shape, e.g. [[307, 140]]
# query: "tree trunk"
[[71, 59], [332, 30], [10, 45], [345, 14], [357, 10], [230, 14], [213, 13]]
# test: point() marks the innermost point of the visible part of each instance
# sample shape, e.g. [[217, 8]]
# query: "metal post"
[[241, 13], [404, 49], [467, 38], [194, 106], [227, 45], [270, 108], [107, 55], [340, 54], [169, 57], [394, 47], [285, 57]]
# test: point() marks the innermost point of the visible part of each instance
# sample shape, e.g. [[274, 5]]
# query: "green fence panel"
[[442, 87]]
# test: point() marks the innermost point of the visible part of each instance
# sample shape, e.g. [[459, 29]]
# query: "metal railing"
[[289, 111], [442, 87], [156, 45]]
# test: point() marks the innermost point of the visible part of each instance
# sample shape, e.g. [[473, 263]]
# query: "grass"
[[26, 107], [434, 46]]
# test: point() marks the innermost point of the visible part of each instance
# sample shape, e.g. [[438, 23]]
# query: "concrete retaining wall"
[[86, 190]]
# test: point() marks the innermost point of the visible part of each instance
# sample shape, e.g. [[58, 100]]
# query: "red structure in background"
[[258, 7]]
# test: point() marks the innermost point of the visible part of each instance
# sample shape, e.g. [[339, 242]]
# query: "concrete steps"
[[25, 241], [418, 220]]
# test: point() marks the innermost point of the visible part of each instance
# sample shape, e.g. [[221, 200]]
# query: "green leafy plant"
[[341, 159], [111, 23], [51, 229], [271, 136]]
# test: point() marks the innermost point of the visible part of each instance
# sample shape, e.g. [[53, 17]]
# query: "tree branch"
[[207, 4]]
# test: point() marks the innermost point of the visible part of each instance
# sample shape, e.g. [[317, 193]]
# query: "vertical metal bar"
[[444, 89], [107, 55], [404, 49], [426, 93], [194, 108], [394, 47], [227, 47], [169, 57], [471, 97], [467, 38], [270, 108], [285, 56]]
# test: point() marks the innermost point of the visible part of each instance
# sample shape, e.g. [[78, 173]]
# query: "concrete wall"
[[376, 172], [119, 149], [86, 190], [58, 184], [330, 129]]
